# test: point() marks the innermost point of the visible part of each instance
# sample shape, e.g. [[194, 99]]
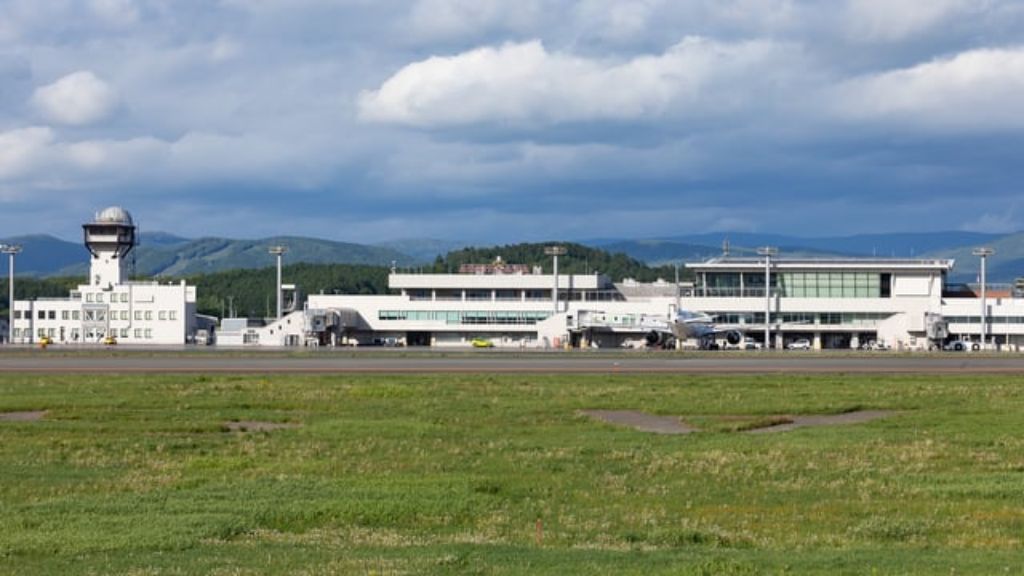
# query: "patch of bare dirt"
[[857, 417], [641, 421], [30, 416], [256, 426]]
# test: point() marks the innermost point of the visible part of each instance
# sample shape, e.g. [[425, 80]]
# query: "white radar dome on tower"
[[113, 215], [110, 237]]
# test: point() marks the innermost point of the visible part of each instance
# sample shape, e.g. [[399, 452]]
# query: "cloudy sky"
[[510, 120]]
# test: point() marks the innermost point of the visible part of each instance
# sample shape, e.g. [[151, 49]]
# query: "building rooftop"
[[729, 262], [496, 281]]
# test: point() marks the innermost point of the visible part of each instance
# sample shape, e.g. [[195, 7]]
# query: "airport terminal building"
[[833, 303], [110, 307]]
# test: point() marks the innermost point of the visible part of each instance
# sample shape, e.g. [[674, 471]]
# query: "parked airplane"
[[686, 325]]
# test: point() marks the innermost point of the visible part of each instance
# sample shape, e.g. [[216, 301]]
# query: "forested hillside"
[[29, 288], [251, 292], [579, 259]]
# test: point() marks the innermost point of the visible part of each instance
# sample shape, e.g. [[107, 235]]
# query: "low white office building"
[[110, 307]]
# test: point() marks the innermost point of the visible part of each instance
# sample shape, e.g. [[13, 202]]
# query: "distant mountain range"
[[43, 255], [424, 250], [163, 254], [1005, 266], [696, 246]]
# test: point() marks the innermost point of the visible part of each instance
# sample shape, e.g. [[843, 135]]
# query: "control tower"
[[110, 237]]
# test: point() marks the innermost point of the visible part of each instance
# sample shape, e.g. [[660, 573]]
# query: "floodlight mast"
[[11, 250], [555, 252], [767, 252], [983, 252], [278, 251]]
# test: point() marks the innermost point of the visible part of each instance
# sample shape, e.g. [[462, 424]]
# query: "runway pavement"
[[50, 362]]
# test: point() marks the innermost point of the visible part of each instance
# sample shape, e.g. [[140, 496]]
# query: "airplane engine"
[[733, 337], [655, 338]]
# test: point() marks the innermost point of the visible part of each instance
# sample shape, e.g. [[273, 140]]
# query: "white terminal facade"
[[110, 305], [834, 303]]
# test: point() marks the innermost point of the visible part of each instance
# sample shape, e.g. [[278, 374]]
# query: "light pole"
[[984, 252], [767, 252], [555, 252], [10, 250], [677, 288], [278, 251]]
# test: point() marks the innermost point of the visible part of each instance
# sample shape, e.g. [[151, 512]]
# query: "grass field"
[[487, 474]]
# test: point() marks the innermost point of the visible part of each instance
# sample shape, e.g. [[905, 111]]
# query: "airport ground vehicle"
[[747, 343], [109, 341], [45, 341], [481, 343], [961, 346], [800, 344]]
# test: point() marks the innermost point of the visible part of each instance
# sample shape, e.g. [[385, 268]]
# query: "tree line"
[[578, 259]]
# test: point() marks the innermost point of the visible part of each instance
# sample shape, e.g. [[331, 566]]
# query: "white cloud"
[[891, 20], [77, 99], [757, 15], [117, 158], [23, 149], [974, 90], [224, 49], [616, 20], [461, 18], [37, 158], [524, 84], [116, 12], [1002, 222]]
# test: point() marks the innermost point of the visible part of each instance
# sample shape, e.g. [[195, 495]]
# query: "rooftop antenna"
[[725, 247]]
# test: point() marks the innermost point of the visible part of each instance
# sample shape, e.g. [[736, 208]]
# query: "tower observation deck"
[[110, 238]]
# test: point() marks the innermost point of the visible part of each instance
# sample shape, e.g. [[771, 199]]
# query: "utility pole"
[[984, 252], [767, 252], [10, 250], [278, 251], [555, 252]]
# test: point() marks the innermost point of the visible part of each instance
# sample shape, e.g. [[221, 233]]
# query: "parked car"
[[482, 343], [799, 344]]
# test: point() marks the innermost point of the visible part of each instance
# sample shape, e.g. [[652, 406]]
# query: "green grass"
[[451, 474]]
